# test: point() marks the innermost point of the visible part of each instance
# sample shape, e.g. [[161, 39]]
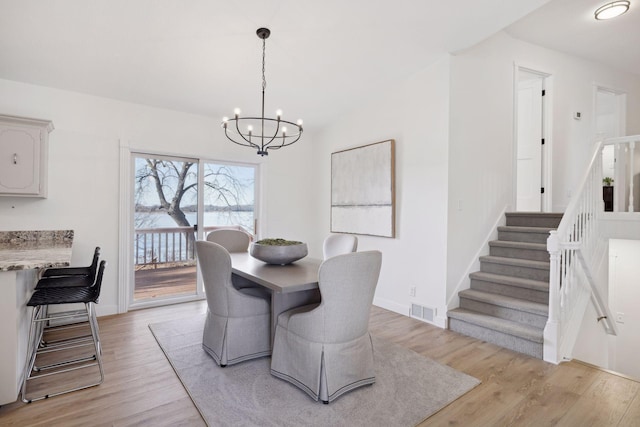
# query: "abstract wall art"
[[363, 190]]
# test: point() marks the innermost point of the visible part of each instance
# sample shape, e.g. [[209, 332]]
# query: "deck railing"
[[575, 249], [168, 245]]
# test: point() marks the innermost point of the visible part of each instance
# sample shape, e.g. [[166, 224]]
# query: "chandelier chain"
[[264, 80]]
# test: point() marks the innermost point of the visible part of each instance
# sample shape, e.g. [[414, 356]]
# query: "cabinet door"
[[20, 160]]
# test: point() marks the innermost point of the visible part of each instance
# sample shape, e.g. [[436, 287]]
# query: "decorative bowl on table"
[[278, 251]]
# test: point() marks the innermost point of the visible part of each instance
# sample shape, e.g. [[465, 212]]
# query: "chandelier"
[[273, 133]]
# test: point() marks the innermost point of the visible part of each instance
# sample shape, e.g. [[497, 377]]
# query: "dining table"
[[291, 285]]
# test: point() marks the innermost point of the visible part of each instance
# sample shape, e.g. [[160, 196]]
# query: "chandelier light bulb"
[[284, 130], [225, 119], [250, 128], [299, 122], [611, 10], [279, 114], [236, 111]]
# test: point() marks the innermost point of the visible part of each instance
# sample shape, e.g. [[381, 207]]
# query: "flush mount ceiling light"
[[611, 10], [273, 133]]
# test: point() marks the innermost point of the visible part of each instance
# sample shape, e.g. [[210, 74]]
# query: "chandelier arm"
[[277, 147], [251, 144], [275, 135], [229, 136]]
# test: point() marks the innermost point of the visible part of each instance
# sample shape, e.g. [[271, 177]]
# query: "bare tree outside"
[[167, 183], [169, 186]]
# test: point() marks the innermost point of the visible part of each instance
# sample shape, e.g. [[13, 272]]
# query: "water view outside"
[[162, 220]]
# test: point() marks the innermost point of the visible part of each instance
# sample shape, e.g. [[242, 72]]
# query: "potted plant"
[[607, 181], [278, 251]]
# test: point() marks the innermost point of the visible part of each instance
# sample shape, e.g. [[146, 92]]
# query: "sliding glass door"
[[176, 201], [165, 227]]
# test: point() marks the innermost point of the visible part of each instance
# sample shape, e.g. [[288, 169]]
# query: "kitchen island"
[[22, 255]]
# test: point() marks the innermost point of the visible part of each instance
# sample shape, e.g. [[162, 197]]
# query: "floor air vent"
[[422, 313]]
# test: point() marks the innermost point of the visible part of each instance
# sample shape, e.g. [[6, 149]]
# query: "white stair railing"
[[573, 248]]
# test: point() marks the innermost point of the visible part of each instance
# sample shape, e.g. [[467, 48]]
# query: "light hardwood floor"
[[141, 388]]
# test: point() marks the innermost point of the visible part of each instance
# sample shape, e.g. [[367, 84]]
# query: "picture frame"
[[363, 190]]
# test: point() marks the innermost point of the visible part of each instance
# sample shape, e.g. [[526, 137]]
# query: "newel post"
[[551, 350]]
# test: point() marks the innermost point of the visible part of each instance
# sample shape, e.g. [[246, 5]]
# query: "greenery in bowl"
[[607, 181], [278, 242]]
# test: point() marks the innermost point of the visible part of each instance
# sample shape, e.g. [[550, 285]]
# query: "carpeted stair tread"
[[519, 245], [542, 265], [506, 301], [519, 282], [535, 219], [522, 229], [516, 329]]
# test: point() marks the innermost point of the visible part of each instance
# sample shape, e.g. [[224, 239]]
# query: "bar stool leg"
[[32, 348], [35, 331], [93, 322]]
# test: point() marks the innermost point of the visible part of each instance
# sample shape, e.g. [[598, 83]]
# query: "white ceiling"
[[569, 26], [323, 57]]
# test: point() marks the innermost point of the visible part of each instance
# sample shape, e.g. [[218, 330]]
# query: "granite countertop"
[[23, 250]]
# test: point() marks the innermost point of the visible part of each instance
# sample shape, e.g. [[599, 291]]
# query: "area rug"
[[408, 388]]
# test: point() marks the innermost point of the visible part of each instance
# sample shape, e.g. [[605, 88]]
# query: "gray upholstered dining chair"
[[231, 239], [338, 244], [238, 322], [235, 240], [325, 349]]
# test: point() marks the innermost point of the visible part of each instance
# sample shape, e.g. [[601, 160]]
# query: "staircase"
[[508, 302]]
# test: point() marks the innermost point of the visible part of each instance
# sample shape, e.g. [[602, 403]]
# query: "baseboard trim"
[[106, 309], [392, 306], [405, 310]]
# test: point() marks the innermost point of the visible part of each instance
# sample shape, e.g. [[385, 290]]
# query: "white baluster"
[[632, 146], [617, 173]]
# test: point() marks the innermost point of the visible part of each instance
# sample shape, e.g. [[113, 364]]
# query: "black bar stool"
[[40, 300], [70, 276]]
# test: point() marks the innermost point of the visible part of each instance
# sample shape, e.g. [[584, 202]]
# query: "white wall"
[[84, 169], [624, 295], [415, 114], [481, 149]]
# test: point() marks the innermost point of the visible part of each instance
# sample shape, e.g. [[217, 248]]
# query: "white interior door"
[[529, 145]]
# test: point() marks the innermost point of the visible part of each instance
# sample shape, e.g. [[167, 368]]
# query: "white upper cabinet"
[[23, 156]]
